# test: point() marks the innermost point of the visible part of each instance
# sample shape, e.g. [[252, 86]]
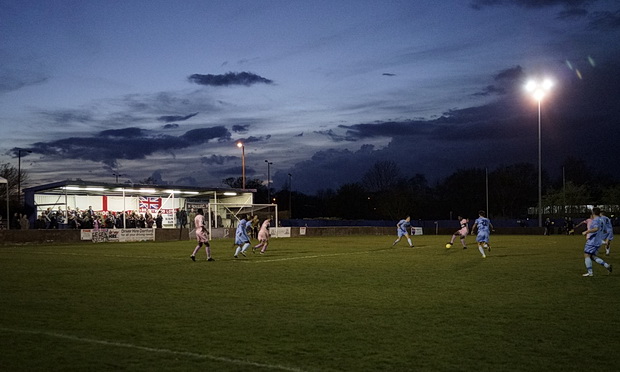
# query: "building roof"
[[80, 187]]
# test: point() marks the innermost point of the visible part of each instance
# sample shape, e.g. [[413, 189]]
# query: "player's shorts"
[[263, 235], [201, 236], [591, 249], [401, 232], [463, 232], [482, 237], [242, 239]]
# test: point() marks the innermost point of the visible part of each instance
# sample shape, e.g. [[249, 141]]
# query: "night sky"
[[322, 89]]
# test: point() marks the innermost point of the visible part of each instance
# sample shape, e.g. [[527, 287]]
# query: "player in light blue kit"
[[594, 239], [484, 226], [608, 233], [402, 229], [242, 240]]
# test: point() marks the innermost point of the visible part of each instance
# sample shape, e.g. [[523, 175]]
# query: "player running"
[[608, 234], [461, 233], [484, 227], [594, 240], [402, 229], [202, 235], [242, 240], [263, 237]]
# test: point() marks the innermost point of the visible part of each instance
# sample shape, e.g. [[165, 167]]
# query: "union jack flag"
[[150, 202]]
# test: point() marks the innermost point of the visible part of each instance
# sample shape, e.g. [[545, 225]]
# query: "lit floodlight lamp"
[[74, 188], [94, 189], [173, 191], [228, 193], [191, 192], [538, 89], [147, 191]]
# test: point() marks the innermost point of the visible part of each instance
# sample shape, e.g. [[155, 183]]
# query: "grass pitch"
[[310, 304]]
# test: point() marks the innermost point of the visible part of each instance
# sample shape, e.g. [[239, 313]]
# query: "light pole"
[[290, 197], [268, 180], [19, 172], [538, 90], [117, 175], [242, 147]]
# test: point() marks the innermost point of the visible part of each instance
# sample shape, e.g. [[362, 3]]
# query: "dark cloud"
[[123, 133], [171, 126], [359, 132], [576, 119], [388, 74], [504, 81], [241, 128], [479, 4], [171, 118], [228, 79], [331, 134], [226, 172], [252, 139], [15, 79], [130, 143], [572, 13], [217, 159], [68, 116], [605, 21]]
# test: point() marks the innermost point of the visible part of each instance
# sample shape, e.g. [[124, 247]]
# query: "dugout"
[[113, 197]]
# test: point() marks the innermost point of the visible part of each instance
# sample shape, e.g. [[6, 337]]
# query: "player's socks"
[[602, 263], [245, 247], [409, 241], [237, 250], [588, 262], [196, 250], [452, 240], [481, 251], [208, 250]]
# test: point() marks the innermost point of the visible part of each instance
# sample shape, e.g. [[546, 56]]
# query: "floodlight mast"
[[538, 90], [242, 147]]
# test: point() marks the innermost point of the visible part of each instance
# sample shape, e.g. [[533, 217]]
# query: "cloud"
[[479, 4], [123, 133], [505, 80], [171, 126], [68, 116], [241, 128], [331, 134], [252, 139], [605, 21], [171, 118], [217, 159], [572, 13], [109, 146], [228, 79], [388, 74]]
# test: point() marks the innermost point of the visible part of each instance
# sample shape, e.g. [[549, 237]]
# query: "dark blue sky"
[[322, 89]]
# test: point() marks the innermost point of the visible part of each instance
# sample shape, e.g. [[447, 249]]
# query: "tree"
[[382, 176], [351, 202], [11, 174], [513, 189]]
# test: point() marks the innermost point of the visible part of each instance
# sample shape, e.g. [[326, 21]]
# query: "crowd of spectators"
[[89, 219]]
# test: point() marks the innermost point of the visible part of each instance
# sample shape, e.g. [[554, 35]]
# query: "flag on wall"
[[150, 202]]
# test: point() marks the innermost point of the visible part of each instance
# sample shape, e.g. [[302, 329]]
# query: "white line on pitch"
[[153, 350]]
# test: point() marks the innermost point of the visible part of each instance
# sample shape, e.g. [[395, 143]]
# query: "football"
[[448, 245]]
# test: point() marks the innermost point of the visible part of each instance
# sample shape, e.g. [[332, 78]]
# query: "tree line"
[[383, 193]]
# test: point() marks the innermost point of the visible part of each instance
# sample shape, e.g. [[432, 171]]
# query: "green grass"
[[310, 304]]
